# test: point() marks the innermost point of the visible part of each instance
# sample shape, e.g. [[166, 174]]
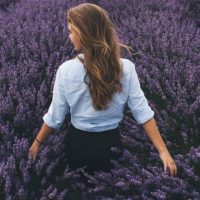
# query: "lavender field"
[[165, 35]]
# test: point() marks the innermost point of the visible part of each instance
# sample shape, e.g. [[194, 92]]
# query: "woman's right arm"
[[137, 102], [153, 133]]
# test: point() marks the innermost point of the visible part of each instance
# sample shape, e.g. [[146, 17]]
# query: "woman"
[[94, 88]]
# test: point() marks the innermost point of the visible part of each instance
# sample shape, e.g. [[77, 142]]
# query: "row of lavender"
[[166, 38]]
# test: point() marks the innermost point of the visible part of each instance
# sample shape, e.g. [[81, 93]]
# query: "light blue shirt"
[[71, 95]]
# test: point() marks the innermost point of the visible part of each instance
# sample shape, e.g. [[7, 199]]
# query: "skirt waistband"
[[101, 139]]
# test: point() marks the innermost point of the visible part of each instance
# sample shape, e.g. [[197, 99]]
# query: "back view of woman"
[[94, 88]]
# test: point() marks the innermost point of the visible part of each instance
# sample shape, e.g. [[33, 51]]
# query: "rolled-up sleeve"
[[137, 101], [59, 107]]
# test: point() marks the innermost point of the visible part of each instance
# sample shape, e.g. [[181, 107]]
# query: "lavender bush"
[[34, 42], [5, 3], [192, 9]]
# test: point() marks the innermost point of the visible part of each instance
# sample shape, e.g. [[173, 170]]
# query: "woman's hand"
[[34, 149], [168, 162]]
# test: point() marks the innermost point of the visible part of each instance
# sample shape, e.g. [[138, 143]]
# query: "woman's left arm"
[[153, 133]]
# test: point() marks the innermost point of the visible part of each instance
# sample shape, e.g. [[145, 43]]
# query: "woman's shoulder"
[[72, 69], [127, 61], [127, 65], [69, 64]]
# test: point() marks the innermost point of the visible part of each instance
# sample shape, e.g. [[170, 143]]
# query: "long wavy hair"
[[102, 51]]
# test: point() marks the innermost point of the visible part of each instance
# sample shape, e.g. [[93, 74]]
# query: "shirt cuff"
[[145, 117], [50, 122]]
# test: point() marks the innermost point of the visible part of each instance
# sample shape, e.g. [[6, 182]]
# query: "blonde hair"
[[102, 51]]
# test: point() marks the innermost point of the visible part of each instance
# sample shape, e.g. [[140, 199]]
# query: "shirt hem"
[[92, 129]]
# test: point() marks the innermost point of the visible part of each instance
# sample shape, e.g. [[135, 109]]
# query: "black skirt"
[[92, 149]]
